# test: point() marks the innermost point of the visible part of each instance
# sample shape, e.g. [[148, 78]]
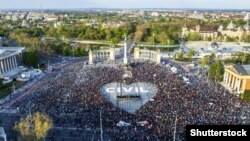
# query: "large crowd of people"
[[74, 99]]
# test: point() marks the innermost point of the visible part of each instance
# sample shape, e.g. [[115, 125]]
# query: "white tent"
[[122, 123]]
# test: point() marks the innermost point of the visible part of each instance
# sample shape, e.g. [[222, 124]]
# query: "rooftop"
[[231, 26], [240, 69], [223, 47], [247, 68], [9, 51]]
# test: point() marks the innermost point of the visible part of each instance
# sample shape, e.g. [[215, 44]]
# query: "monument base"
[[125, 61]]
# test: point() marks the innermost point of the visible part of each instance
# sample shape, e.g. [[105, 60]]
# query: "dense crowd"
[[73, 99]]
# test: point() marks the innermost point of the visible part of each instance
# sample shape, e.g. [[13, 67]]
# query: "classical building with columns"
[[237, 78], [10, 58], [145, 54], [101, 55]]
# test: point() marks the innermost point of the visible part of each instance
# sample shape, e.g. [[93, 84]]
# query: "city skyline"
[[61, 4]]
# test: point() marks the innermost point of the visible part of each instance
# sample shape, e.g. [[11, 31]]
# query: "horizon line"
[[125, 8]]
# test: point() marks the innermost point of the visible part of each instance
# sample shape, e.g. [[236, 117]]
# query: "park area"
[[6, 89]]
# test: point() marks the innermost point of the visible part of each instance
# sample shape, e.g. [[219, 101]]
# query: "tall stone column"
[[1, 66], [229, 79], [236, 84], [226, 81], [15, 62], [233, 84], [5, 65], [136, 53], [239, 88], [225, 77], [112, 54], [158, 57], [90, 57], [9, 63], [125, 60]]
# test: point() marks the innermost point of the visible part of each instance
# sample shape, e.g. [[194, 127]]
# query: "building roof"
[[240, 69], [10, 51], [231, 26], [247, 68], [208, 29]]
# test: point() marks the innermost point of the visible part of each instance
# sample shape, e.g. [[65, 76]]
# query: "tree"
[[138, 36], [247, 39], [216, 71], [150, 40], [244, 57], [212, 57], [66, 51], [1, 83], [30, 57], [204, 62], [195, 36], [42, 124], [34, 128], [229, 39], [180, 56], [190, 54], [162, 38], [209, 38], [5, 44]]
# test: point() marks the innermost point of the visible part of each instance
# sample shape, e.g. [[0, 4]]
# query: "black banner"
[[217, 132]]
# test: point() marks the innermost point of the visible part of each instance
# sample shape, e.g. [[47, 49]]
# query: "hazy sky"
[[222, 4]]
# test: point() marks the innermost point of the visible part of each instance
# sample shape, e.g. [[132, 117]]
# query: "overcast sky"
[[221, 4]]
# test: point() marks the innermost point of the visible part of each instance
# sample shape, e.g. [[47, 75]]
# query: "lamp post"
[[153, 40], [101, 125], [175, 122]]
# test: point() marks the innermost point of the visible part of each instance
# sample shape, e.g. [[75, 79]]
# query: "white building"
[[222, 50], [10, 58]]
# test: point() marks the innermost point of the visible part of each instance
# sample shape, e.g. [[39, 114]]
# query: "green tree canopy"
[[30, 57], [204, 61], [190, 54], [216, 71], [1, 83], [194, 36], [180, 56]]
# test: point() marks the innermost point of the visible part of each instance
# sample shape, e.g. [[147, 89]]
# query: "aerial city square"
[[122, 70]]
